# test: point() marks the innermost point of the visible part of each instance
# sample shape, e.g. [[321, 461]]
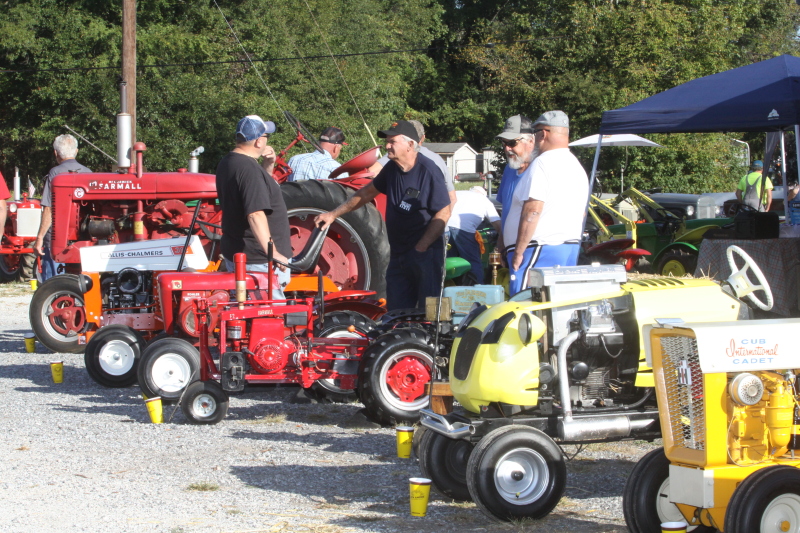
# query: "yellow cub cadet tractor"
[[561, 363], [729, 403]]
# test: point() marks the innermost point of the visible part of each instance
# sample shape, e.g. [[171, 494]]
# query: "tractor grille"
[[658, 282], [683, 381], [466, 352]]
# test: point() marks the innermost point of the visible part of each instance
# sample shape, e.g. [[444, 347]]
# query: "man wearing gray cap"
[[253, 210], [544, 221]]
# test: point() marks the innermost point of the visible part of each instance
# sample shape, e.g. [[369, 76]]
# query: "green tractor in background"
[[672, 240]]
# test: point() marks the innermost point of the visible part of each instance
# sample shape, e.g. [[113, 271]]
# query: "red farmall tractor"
[[17, 261], [107, 208]]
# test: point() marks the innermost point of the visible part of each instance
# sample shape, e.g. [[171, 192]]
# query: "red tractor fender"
[[358, 301]]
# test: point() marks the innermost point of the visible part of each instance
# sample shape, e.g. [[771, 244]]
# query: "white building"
[[460, 157]]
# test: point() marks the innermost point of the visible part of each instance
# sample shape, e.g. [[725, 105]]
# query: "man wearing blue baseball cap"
[[253, 210]]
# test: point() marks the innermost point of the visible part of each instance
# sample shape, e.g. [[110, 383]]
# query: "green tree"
[[198, 101]]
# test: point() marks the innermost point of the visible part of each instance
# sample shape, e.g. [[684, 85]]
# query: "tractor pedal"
[[233, 369]]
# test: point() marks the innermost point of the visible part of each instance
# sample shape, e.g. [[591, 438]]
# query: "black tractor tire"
[[767, 500], [535, 485], [677, 263], [167, 367], [393, 374], [204, 403], [58, 315], [335, 325], [9, 267], [360, 234], [112, 355], [27, 267], [645, 500], [444, 461]]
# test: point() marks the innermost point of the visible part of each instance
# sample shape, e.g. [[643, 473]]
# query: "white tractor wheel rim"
[[782, 515], [171, 372], [521, 476], [116, 358], [204, 405]]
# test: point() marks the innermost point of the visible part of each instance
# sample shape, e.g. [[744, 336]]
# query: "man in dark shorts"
[[417, 210], [253, 210]]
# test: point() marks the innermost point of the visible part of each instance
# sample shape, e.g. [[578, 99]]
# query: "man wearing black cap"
[[755, 189], [253, 210], [318, 165], [417, 209], [544, 223]]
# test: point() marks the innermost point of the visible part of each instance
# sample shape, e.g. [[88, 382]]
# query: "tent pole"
[[797, 155], [591, 178], [783, 172]]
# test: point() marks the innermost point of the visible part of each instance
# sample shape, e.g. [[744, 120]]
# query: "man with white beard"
[[518, 144], [543, 223]]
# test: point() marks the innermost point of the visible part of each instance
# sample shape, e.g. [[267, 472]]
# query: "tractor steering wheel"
[[742, 285], [303, 131]]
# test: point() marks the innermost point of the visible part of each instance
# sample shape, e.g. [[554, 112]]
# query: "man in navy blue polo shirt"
[[417, 210]]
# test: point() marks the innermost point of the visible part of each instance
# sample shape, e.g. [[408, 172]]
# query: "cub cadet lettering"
[[114, 185], [748, 351]]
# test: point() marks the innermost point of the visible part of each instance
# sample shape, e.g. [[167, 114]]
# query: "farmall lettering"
[[115, 185], [751, 351]]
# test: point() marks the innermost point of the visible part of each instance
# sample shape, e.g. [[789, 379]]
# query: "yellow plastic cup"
[[154, 409], [405, 437], [674, 527], [420, 489], [57, 369], [34, 284], [30, 342]]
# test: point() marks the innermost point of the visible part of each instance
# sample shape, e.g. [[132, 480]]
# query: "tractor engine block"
[[128, 291], [269, 351]]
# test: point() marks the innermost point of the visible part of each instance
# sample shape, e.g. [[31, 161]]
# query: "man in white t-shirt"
[[544, 223], [471, 209]]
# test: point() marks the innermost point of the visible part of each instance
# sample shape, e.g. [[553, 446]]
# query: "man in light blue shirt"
[[319, 165]]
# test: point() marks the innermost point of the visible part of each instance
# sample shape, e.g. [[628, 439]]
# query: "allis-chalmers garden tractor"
[[729, 403], [91, 209], [561, 363]]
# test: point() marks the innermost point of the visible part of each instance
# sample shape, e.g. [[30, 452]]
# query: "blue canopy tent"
[[764, 96]]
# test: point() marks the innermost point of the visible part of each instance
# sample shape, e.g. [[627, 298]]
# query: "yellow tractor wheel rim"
[[674, 268]]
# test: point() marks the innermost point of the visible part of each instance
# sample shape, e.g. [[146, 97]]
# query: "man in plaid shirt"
[[318, 165]]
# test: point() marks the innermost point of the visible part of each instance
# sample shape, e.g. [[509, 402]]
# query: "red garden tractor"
[[17, 261], [334, 354]]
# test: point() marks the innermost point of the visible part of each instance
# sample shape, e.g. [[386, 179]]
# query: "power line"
[[276, 59]]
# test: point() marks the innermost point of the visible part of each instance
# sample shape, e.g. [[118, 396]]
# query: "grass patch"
[[265, 420], [203, 487]]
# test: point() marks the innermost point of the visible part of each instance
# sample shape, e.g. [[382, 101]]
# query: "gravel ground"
[[80, 457]]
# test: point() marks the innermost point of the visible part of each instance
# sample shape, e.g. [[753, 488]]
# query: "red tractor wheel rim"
[[407, 377], [344, 257], [65, 316]]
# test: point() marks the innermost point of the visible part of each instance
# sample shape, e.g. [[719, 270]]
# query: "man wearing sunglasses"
[[544, 220]]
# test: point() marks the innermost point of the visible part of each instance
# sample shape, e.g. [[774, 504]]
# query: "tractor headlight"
[[12, 207], [495, 329], [525, 329], [689, 210], [746, 389]]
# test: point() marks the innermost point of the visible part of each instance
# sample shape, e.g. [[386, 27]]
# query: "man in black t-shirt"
[[417, 210], [253, 210]]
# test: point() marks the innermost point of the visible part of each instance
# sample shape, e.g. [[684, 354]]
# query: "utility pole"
[[129, 58]]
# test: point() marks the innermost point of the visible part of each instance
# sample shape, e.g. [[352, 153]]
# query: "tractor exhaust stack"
[[124, 130]]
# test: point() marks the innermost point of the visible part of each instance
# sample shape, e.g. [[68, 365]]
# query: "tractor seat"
[[307, 259]]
